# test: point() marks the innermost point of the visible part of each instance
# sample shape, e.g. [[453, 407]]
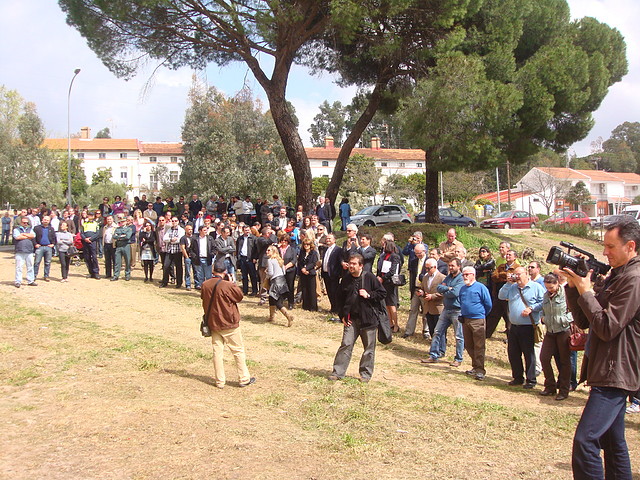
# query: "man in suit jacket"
[[332, 272], [409, 250], [367, 251], [245, 248], [420, 252], [350, 247], [431, 299], [201, 251]]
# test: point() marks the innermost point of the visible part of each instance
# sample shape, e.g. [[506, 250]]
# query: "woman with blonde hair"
[[278, 289]]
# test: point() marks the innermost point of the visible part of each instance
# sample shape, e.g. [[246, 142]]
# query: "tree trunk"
[[352, 139], [430, 191]]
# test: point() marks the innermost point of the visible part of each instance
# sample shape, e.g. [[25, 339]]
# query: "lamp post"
[[75, 74]]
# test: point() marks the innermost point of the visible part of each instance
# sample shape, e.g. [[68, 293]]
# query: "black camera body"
[[579, 265]]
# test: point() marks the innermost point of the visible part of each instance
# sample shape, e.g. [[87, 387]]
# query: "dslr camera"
[[578, 265]]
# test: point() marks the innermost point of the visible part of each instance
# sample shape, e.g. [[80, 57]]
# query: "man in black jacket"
[[245, 248], [332, 272], [45, 241], [361, 295]]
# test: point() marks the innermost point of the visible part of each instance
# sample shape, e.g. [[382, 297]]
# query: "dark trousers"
[[556, 345], [148, 269], [172, 260], [109, 259], [602, 427], [331, 285], [65, 260], [290, 277], [521, 344], [90, 253], [307, 284], [473, 330], [248, 269], [432, 321], [500, 309]]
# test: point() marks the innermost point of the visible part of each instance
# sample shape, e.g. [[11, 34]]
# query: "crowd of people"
[[286, 256]]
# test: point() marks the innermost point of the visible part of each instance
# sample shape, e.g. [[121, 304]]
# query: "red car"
[[571, 217], [511, 219]]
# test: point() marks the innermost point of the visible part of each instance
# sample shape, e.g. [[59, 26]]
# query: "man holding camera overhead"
[[612, 353]]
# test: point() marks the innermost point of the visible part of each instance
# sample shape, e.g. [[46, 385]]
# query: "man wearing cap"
[[91, 232], [121, 237]]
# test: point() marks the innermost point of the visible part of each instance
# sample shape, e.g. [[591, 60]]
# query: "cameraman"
[[612, 353]]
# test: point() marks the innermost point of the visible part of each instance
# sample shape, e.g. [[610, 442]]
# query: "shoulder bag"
[[577, 338], [204, 326]]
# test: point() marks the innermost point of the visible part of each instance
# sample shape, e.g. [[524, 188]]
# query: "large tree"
[[230, 146], [523, 77], [28, 173], [369, 43]]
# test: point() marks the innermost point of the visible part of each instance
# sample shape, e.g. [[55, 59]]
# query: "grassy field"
[[112, 381]]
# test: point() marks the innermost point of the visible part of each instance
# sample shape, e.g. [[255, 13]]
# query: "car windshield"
[[504, 214], [368, 210], [558, 215]]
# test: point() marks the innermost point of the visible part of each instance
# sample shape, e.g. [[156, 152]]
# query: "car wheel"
[[406, 221], [507, 226], [533, 225], [471, 224], [369, 223]]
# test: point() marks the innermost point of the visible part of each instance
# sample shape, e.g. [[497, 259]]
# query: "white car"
[[380, 214]]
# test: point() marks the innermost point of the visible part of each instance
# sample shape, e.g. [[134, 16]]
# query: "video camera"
[[579, 265]]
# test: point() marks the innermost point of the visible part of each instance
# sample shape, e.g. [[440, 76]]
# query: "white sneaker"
[[633, 408]]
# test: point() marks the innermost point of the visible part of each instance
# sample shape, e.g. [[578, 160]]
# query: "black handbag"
[[385, 336], [204, 326]]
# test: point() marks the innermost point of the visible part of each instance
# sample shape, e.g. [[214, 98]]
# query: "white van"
[[633, 210]]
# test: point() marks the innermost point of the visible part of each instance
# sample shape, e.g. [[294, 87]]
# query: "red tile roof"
[[321, 153], [98, 144], [504, 196], [161, 148]]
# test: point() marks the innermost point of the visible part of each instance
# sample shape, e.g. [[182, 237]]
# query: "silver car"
[[377, 215]]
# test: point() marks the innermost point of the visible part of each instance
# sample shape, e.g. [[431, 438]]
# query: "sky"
[[39, 53]]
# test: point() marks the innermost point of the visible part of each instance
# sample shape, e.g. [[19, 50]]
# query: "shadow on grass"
[[192, 376]]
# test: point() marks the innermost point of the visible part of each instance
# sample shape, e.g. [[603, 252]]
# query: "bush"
[[581, 230]]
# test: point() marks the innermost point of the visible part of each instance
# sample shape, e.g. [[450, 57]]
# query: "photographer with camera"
[[612, 353]]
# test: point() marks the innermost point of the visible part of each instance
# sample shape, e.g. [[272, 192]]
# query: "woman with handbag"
[[64, 243], [278, 290], [388, 266], [307, 275], [556, 341]]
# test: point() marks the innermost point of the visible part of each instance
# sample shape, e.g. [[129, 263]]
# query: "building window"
[[419, 164], [102, 155], [123, 177], [153, 182], [173, 177], [401, 165], [123, 155], [325, 163], [174, 159], [153, 159], [80, 155], [383, 164]]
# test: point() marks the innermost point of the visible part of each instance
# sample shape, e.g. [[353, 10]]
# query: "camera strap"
[[526, 305]]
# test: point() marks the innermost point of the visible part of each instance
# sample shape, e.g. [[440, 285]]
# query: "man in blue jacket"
[[475, 305], [450, 290], [525, 305]]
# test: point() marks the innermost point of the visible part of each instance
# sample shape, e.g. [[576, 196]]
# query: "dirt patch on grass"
[[113, 380]]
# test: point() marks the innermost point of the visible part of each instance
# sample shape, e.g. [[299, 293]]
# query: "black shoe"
[[562, 396], [97, 277], [479, 376], [515, 383], [251, 381], [114, 279], [162, 285], [547, 392], [528, 386], [405, 335]]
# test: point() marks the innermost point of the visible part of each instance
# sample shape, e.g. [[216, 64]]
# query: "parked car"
[[449, 216], [376, 215], [607, 220], [570, 217], [511, 219]]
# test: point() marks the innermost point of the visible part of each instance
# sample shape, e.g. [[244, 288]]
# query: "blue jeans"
[[46, 252], [229, 265], [602, 427], [447, 317], [23, 259], [201, 271], [188, 267]]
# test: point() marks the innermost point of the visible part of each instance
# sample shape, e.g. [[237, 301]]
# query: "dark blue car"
[[449, 216]]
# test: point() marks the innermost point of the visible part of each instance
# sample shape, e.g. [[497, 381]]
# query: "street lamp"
[[75, 74]]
